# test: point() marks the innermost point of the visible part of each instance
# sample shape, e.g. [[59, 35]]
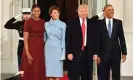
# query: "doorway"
[[67, 7], [68, 11]]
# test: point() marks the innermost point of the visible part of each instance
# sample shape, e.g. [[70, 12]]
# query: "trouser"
[[106, 66], [20, 51], [80, 68]]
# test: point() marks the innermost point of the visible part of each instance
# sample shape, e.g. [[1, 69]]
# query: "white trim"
[[0, 32], [35, 1]]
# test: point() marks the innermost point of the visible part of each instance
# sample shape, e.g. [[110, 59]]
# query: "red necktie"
[[83, 33]]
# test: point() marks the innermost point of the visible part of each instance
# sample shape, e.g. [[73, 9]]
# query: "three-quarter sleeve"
[[63, 42], [63, 36]]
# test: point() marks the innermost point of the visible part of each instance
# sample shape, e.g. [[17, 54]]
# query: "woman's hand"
[[29, 58]]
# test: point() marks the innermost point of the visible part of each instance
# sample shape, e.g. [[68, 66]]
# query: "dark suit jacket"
[[111, 48], [74, 38]]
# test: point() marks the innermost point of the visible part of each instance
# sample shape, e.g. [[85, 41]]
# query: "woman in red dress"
[[33, 58]]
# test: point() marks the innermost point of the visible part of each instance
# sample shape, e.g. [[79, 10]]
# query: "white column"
[[0, 35], [6, 52], [35, 1], [100, 6], [25, 3], [31, 3], [9, 38], [16, 11], [95, 7], [90, 4]]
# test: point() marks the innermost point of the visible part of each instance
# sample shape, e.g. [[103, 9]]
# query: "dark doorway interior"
[[68, 11], [45, 5], [68, 8]]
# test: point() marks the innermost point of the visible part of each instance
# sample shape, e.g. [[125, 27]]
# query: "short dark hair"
[[107, 6], [54, 8], [35, 6]]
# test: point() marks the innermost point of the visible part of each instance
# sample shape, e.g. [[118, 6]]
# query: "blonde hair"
[[85, 6]]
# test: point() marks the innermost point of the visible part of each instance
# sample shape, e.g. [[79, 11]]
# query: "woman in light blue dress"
[[54, 45]]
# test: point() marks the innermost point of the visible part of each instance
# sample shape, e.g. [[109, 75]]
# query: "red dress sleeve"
[[27, 26]]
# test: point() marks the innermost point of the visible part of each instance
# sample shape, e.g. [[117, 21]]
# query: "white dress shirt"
[[107, 22], [81, 20]]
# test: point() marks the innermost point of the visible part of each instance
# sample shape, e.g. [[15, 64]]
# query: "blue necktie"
[[109, 28]]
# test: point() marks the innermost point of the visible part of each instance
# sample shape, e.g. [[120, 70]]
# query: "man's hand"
[[95, 57], [70, 57], [98, 60], [123, 58]]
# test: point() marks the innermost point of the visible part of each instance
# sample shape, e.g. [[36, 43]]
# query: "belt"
[[35, 36], [21, 38]]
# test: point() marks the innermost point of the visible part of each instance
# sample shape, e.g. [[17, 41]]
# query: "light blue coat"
[[54, 47]]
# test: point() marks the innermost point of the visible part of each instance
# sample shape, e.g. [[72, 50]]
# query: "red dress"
[[35, 71]]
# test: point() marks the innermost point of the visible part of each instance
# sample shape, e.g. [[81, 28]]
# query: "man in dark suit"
[[81, 45], [112, 44]]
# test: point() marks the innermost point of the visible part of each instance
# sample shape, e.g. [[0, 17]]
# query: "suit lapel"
[[87, 23], [79, 26], [105, 27], [114, 28]]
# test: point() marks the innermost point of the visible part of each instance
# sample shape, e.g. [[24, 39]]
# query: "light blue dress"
[[54, 47]]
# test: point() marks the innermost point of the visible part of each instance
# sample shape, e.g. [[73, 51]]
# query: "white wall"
[[124, 11], [128, 15], [118, 8], [128, 27]]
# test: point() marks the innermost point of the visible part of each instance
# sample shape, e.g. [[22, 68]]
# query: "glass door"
[[28, 3], [95, 6]]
